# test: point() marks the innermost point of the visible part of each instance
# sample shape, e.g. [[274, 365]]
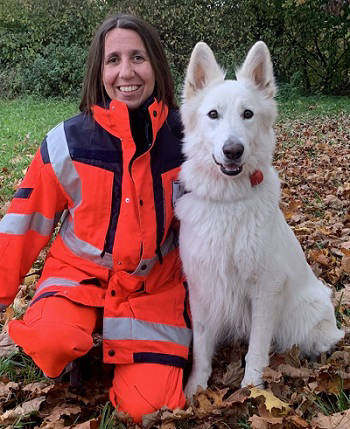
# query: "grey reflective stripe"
[[69, 178], [19, 224], [123, 328], [146, 265], [83, 248], [56, 281], [62, 164]]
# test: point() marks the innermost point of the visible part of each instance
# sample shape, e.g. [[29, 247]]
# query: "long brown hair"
[[93, 89]]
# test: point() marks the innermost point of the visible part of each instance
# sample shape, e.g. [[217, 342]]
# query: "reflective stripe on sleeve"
[[19, 224], [56, 281], [62, 164], [69, 178], [123, 328]]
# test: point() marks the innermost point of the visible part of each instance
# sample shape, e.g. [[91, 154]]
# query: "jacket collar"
[[114, 118]]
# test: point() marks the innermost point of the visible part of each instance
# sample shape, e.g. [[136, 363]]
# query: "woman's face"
[[127, 72]]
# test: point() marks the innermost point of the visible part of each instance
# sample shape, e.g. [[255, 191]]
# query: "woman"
[[112, 171]]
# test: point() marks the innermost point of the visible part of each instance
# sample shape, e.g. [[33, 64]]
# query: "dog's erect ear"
[[258, 68], [202, 69]]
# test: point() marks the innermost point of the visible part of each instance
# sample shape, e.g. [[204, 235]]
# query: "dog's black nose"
[[233, 150]]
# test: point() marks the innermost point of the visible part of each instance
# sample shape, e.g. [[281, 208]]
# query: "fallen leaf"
[[7, 389], [27, 408], [346, 264], [90, 424], [7, 346], [291, 371], [335, 421], [272, 376], [271, 401], [258, 422], [60, 411]]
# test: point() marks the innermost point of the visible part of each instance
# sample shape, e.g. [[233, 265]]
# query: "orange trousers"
[[55, 331]]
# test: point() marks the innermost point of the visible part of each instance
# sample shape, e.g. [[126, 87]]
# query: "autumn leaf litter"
[[313, 161]]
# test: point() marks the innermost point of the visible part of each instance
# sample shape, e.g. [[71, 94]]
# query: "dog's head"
[[229, 122]]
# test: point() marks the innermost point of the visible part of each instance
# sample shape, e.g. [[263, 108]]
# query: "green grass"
[[108, 418], [19, 367], [24, 123], [313, 106], [332, 404]]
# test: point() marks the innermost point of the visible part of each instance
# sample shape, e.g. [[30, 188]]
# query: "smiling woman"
[[113, 171], [127, 71], [141, 47]]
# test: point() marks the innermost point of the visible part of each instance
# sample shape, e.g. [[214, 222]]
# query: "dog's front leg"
[[203, 350], [265, 310]]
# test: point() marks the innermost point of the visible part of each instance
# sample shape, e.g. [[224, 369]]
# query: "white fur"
[[247, 274]]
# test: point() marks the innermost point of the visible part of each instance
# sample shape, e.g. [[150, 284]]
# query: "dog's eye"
[[247, 114], [213, 114]]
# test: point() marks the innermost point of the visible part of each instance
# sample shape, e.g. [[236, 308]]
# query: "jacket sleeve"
[[29, 222]]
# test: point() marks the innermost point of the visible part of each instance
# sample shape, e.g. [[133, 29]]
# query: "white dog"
[[247, 274]]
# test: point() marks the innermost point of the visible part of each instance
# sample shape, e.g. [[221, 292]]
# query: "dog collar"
[[256, 178]]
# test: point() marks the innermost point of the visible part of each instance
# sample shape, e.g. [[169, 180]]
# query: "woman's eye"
[[213, 114], [138, 59], [247, 114], [112, 60]]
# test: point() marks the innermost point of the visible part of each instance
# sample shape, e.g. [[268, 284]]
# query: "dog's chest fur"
[[222, 248]]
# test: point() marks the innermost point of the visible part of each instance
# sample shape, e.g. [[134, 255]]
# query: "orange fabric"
[[142, 388], [55, 331], [87, 293], [16, 254], [96, 192], [80, 256]]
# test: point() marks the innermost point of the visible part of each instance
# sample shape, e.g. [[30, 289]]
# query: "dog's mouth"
[[230, 168]]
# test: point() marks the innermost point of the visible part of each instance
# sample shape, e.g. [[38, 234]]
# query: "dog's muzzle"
[[233, 152]]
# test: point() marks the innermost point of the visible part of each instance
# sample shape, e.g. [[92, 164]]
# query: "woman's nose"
[[126, 70]]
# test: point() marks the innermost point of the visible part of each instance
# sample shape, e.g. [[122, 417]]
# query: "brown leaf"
[[291, 371], [7, 389], [233, 374], [27, 408], [329, 383], [272, 376], [38, 388], [346, 264], [258, 422], [297, 421], [60, 411], [320, 256], [60, 424], [239, 396], [170, 425], [90, 424], [7, 346], [335, 421]]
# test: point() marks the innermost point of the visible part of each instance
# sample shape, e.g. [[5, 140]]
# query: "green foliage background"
[[43, 44]]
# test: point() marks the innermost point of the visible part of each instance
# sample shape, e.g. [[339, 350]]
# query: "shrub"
[[57, 71]]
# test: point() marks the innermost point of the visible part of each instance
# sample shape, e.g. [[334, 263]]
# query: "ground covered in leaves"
[[313, 160]]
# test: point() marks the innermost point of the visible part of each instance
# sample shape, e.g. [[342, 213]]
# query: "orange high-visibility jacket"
[[116, 247]]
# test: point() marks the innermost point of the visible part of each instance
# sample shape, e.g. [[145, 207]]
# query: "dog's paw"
[[252, 378], [193, 386]]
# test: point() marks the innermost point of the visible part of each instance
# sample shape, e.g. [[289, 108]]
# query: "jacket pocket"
[[171, 189], [92, 214]]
